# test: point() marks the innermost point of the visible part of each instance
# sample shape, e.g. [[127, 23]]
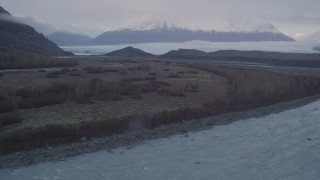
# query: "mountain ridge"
[[173, 34], [22, 37], [63, 38]]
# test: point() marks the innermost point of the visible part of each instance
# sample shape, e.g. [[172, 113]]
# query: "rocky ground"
[[132, 138]]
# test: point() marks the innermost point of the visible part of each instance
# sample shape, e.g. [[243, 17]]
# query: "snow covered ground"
[[277, 146]]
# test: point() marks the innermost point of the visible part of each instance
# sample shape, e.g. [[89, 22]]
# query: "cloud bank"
[[95, 16]]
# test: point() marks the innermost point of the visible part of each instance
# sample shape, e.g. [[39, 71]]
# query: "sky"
[[92, 17]]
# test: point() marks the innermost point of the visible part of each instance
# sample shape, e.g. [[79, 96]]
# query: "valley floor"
[[278, 146]]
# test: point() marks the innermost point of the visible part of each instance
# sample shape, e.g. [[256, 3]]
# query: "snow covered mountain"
[[161, 33]]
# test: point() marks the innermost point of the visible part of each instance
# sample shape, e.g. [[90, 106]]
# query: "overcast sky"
[[96, 16]]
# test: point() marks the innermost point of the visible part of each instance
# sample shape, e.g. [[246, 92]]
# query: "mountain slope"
[[3, 11], [174, 34], [129, 52], [68, 39], [22, 37]]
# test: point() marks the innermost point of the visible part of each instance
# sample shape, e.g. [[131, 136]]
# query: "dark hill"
[[3, 11], [24, 38], [130, 52], [317, 48], [184, 54]]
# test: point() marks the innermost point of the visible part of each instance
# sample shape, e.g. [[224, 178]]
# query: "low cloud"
[[287, 15]]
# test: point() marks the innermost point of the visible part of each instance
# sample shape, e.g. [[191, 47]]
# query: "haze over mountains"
[[161, 32], [164, 33], [68, 39], [22, 37]]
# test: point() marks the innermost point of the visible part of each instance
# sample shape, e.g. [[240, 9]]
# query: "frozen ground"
[[277, 146]]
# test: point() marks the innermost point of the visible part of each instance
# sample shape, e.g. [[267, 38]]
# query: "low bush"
[[151, 78], [152, 74], [7, 106], [132, 79], [193, 72], [74, 74], [143, 67], [177, 93], [14, 59], [137, 96], [149, 88], [191, 88], [167, 92], [10, 118], [173, 76], [116, 97], [95, 70], [52, 75]]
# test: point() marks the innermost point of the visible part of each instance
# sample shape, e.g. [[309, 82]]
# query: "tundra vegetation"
[[102, 96]]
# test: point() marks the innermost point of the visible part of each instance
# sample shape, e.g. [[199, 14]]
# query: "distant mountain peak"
[[268, 27], [149, 25]]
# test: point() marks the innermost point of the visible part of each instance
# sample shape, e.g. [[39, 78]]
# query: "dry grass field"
[[101, 96]]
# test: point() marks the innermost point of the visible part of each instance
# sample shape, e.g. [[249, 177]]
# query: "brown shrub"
[[177, 93], [143, 67], [116, 97], [163, 83], [193, 72], [152, 73], [7, 106], [74, 74], [137, 96], [151, 78], [127, 89], [10, 118], [19, 59], [164, 92], [148, 88], [52, 75], [91, 70], [191, 88], [132, 79], [173, 76]]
